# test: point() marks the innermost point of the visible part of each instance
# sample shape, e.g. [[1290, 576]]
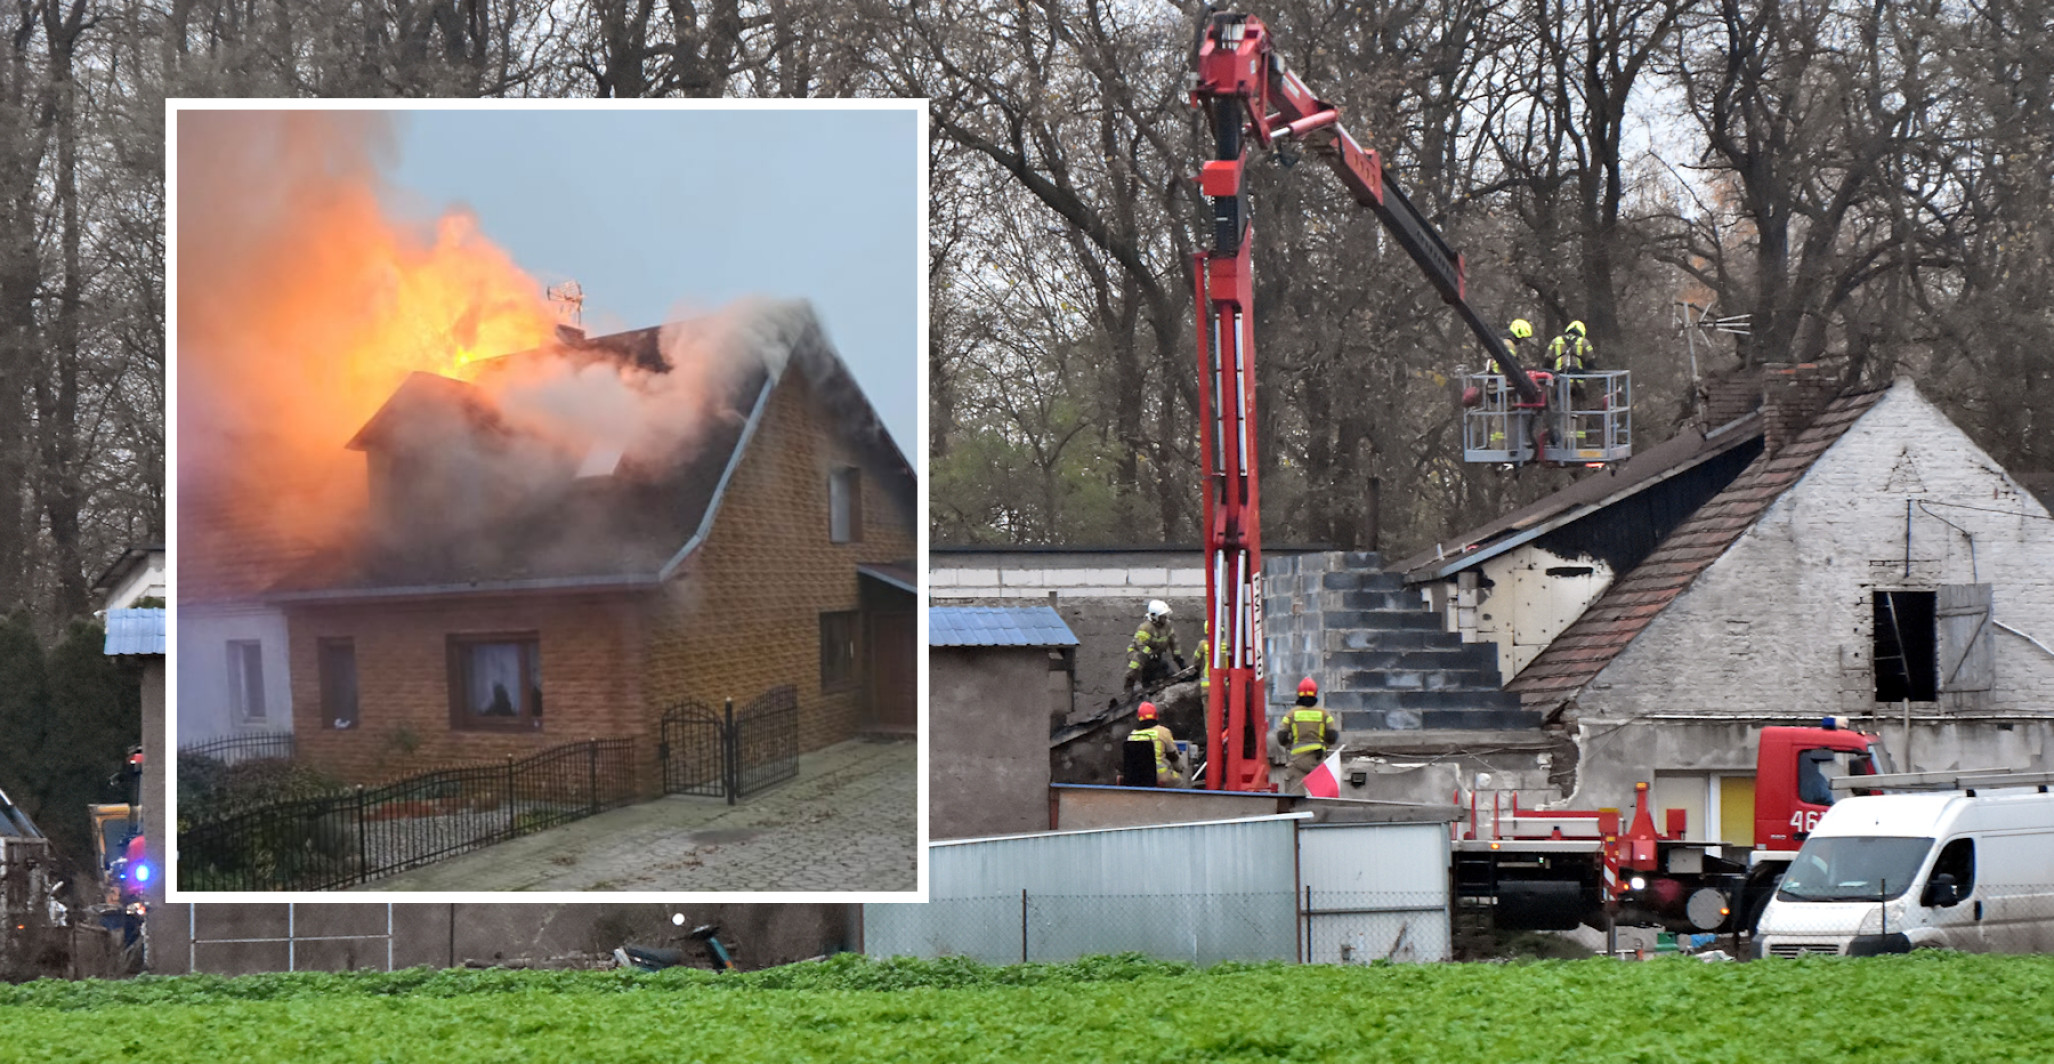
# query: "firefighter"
[[1571, 351], [1308, 732], [1516, 336], [1148, 728], [1153, 649]]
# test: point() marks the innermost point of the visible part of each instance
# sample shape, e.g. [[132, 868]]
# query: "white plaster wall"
[[1779, 627], [1525, 608], [203, 706], [146, 582], [992, 582]]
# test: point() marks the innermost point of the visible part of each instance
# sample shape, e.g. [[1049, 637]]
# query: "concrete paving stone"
[[847, 822]]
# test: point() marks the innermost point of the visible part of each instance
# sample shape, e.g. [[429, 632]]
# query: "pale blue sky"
[[657, 212]]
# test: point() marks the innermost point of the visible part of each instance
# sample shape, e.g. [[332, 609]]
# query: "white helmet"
[[1158, 609]]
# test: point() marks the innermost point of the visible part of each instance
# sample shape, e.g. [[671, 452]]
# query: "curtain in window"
[[494, 679]]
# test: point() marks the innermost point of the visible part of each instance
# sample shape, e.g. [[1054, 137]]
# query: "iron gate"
[[727, 753], [694, 749]]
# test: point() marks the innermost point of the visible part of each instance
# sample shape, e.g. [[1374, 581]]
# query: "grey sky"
[[662, 212]]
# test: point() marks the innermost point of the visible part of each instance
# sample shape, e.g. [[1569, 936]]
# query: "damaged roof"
[[1605, 629], [1673, 457], [562, 528]]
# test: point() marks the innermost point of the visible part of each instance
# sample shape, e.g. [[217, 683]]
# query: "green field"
[[1914, 1009]]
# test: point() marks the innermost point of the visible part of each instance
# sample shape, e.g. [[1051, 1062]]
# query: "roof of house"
[[131, 559], [1590, 643], [1679, 454], [134, 631], [900, 575], [564, 530], [997, 626]]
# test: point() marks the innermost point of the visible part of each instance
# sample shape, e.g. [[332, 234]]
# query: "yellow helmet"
[[1521, 328], [1576, 327]]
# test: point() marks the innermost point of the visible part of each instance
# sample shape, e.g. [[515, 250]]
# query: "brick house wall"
[[591, 687], [745, 614], [1780, 628]]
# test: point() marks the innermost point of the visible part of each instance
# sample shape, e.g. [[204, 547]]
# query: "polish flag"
[[1325, 781]]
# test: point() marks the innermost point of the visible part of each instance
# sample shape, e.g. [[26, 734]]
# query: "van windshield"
[[1853, 868]]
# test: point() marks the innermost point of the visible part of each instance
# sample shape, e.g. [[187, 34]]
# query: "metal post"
[[1611, 932], [730, 754], [363, 864], [1023, 925], [192, 938], [1306, 957], [509, 797], [388, 936], [291, 938], [592, 774]]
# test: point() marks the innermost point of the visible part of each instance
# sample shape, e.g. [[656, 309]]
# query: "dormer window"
[[845, 506]]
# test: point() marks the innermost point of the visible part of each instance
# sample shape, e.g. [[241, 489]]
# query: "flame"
[[304, 300]]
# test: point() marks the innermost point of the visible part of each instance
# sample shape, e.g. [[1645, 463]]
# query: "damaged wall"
[[1780, 629]]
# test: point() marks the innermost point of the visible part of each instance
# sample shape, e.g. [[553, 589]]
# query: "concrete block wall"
[[1382, 659]]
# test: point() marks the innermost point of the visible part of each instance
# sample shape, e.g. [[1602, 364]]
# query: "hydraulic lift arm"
[[1246, 92]]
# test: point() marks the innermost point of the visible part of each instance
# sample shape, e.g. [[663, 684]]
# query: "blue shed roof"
[[997, 626], [135, 631]]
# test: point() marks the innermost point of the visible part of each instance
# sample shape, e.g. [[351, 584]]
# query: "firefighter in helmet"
[[1516, 336], [1571, 352], [1309, 731], [1149, 728], [1153, 648]]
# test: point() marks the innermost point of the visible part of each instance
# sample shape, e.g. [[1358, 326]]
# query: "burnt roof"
[[1590, 643], [563, 531], [1591, 495]]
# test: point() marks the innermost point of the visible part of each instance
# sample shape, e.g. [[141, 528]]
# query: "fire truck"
[[1552, 869], [1513, 415]]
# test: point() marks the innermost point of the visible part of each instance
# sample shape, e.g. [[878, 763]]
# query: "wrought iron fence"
[[236, 749], [339, 840], [766, 741], [694, 749], [731, 754]]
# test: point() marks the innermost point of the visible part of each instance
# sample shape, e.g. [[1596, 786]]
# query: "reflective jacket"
[[1570, 354], [1308, 729], [1165, 746], [1153, 641]]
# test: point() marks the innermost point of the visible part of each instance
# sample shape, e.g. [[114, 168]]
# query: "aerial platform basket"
[[1589, 419]]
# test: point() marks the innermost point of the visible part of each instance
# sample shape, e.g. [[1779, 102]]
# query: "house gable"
[[1779, 623]]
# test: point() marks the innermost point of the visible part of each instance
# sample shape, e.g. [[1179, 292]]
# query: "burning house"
[[584, 534]]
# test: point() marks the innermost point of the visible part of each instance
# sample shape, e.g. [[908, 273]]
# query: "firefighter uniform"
[[1166, 755], [1308, 732], [1151, 653], [1571, 351]]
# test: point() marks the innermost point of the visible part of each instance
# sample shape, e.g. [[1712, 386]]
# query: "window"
[[838, 633], [246, 678], [1905, 651], [495, 682], [338, 661], [845, 506], [1957, 859]]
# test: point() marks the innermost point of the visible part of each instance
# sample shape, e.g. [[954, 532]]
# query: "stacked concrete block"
[[1381, 656]]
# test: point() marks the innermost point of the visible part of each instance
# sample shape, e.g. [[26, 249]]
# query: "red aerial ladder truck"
[[1248, 96]]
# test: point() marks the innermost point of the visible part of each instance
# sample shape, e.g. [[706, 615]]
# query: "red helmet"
[[1146, 712], [1308, 686]]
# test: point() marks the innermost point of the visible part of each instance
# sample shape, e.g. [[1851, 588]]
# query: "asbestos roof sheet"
[[997, 626], [135, 632], [1624, 610]]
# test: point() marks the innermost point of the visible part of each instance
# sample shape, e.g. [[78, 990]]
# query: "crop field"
[[1924, 1009]]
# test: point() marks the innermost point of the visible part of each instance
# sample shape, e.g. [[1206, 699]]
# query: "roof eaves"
[[620, 582], [734, 462]]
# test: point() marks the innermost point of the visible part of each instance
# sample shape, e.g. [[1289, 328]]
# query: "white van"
[[1971, 870]]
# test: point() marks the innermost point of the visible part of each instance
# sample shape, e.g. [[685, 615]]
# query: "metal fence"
[[730, 753], [342, 839], [236, 749]]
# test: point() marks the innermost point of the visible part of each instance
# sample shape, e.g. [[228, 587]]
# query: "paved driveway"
[[848, 822]]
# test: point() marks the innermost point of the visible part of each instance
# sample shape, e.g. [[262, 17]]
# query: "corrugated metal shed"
[[135, 632], [1196, 892], [997, 626]]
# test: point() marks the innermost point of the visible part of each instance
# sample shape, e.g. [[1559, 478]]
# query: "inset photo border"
[[547, 501]]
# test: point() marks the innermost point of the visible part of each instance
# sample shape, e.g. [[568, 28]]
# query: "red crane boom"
[[1246, 92]]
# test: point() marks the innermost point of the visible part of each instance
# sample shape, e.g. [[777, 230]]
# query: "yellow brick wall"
[[590, 688], [745, 616]]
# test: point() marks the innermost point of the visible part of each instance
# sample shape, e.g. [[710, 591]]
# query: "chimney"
[[1792, 396], [1728, 396]]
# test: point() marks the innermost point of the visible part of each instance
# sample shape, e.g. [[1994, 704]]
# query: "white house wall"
[[204, 705], [1779, 627], [1524, 609]]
